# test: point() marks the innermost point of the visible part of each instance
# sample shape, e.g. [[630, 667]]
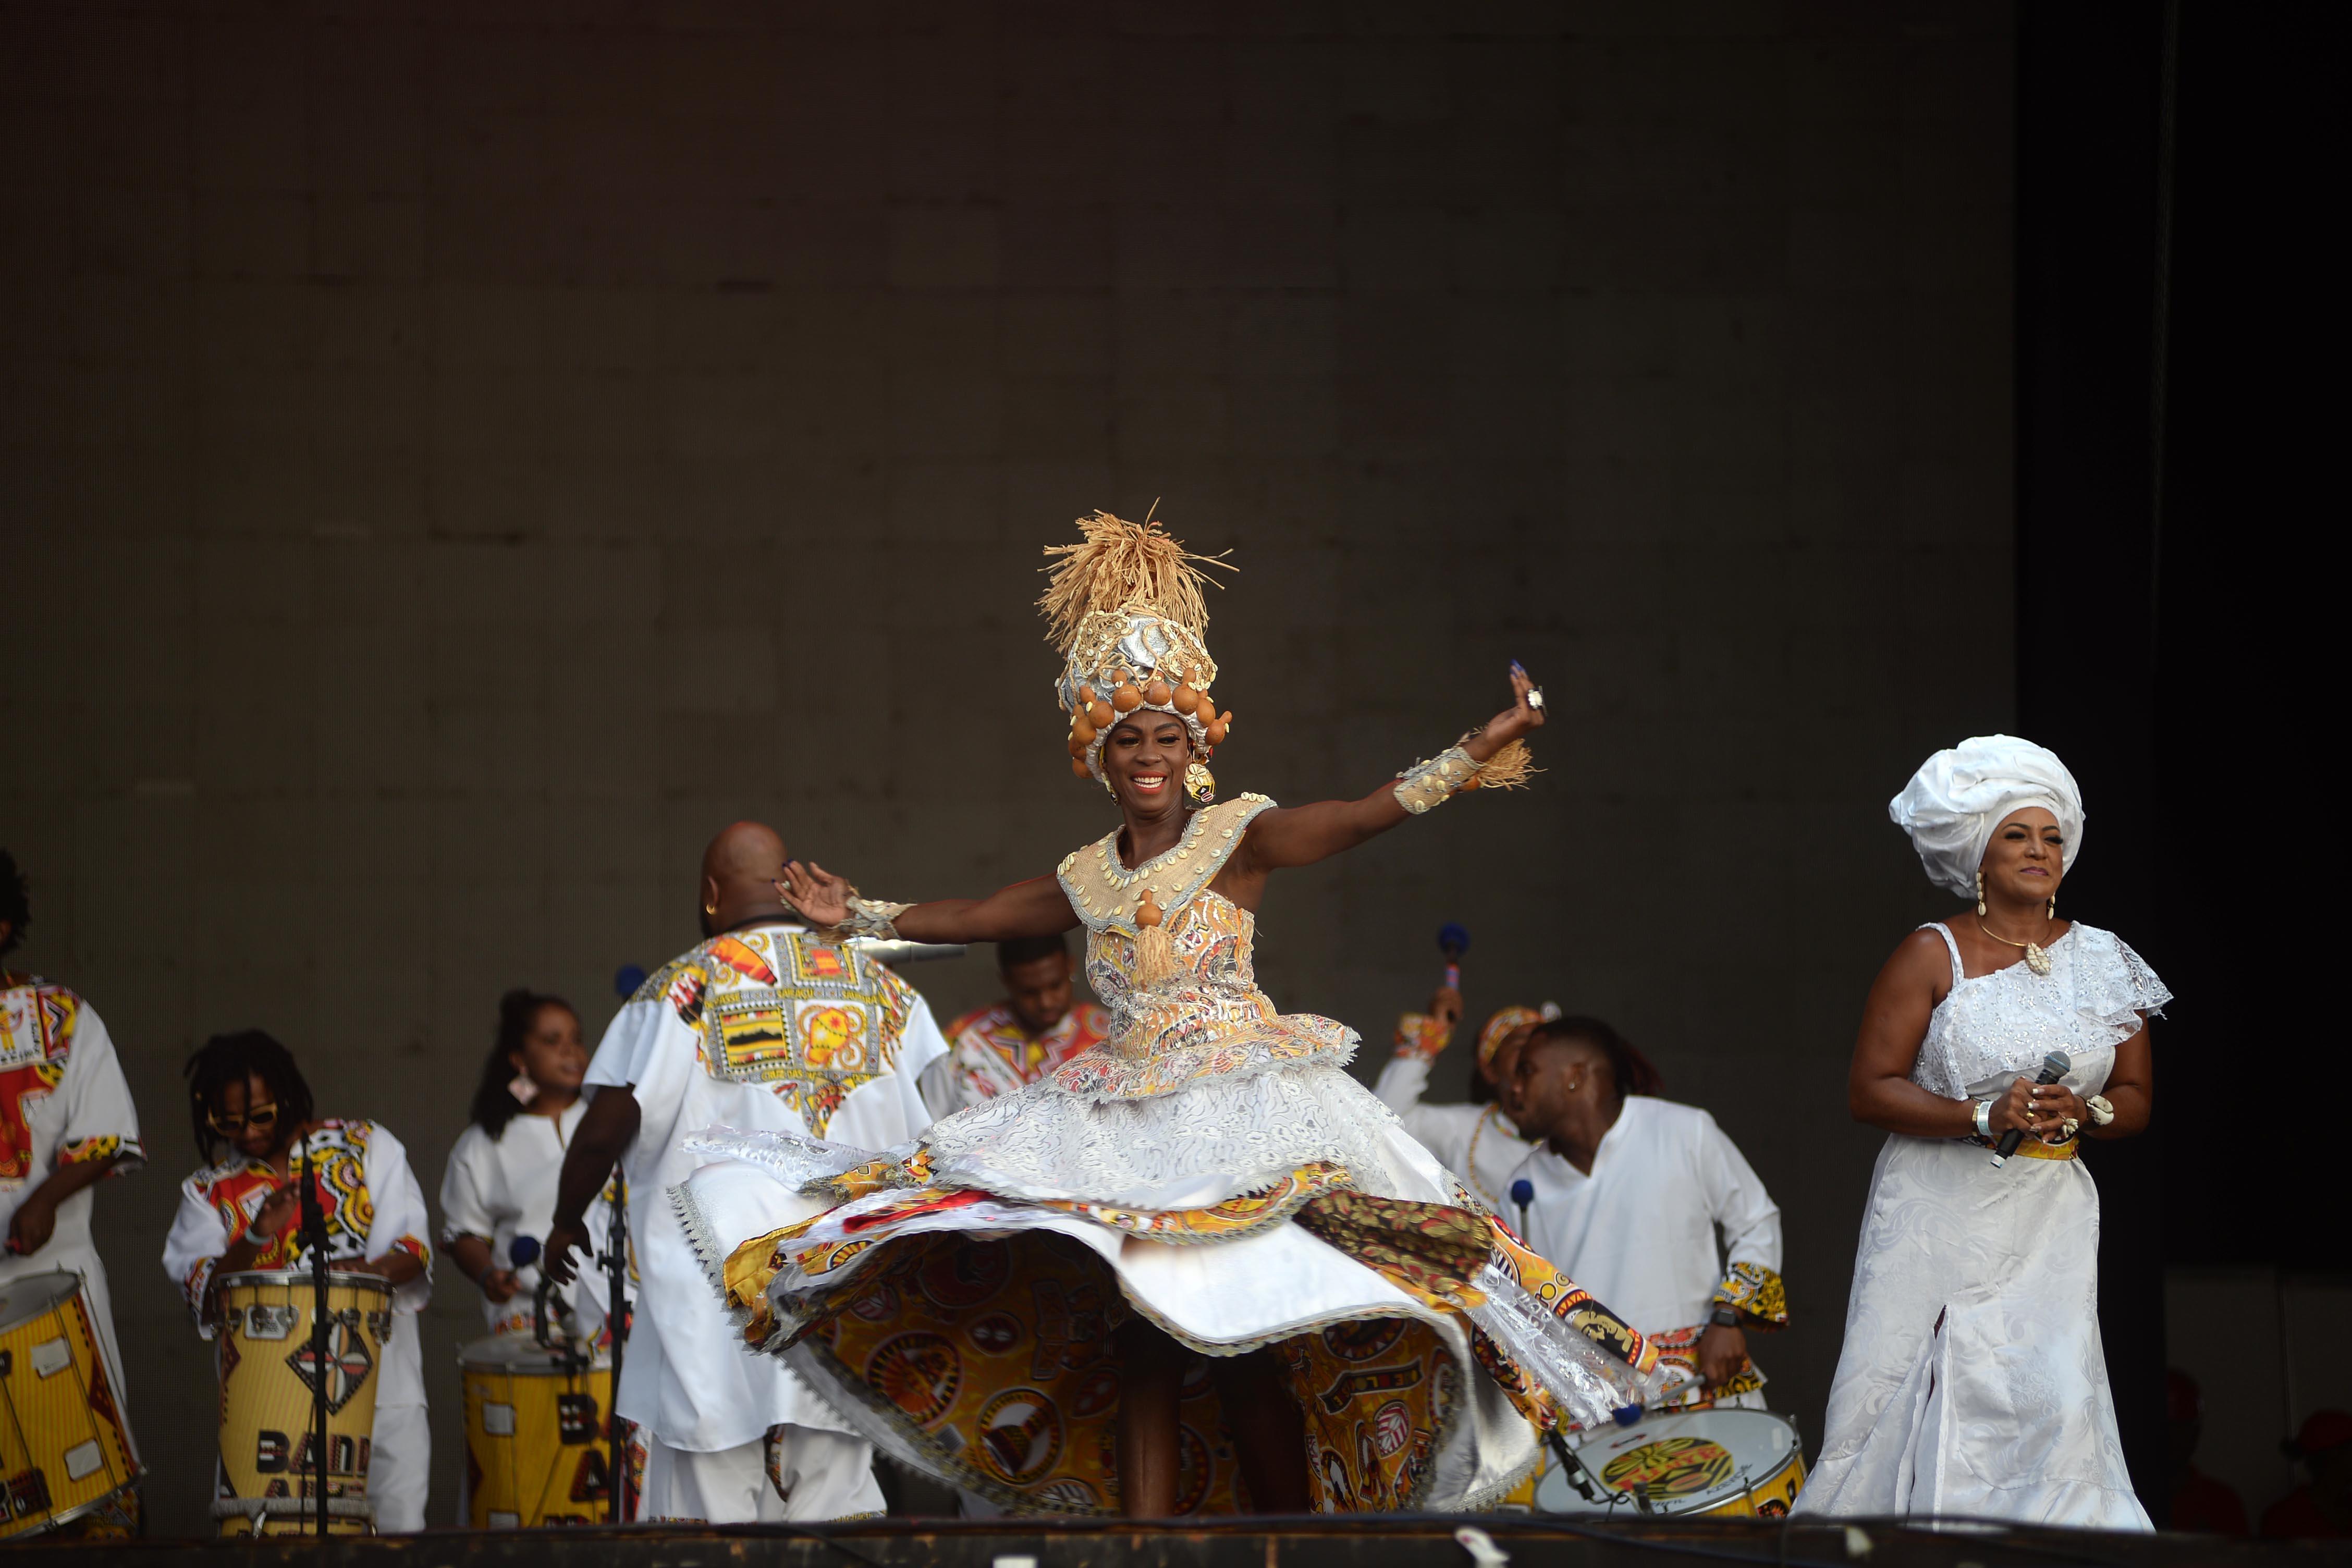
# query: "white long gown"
[[1973, 1381]]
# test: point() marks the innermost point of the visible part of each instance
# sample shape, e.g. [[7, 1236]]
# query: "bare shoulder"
[[1921, 959]]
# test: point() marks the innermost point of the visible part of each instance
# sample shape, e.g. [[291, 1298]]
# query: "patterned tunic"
[[989, 1054]]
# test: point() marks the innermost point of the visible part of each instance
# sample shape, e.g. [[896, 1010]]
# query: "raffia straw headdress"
[[1124, 606]]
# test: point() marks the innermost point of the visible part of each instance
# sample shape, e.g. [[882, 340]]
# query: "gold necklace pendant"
[[2037, 957]]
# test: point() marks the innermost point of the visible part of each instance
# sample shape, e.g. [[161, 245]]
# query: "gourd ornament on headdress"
[[1124, 607]]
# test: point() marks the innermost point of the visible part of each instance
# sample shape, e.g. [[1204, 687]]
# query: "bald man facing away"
[[764, 1025]]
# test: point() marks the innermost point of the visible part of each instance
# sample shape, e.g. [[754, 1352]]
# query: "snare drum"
[[537, 1440], [65, 1450], [1715, 1461], [269, 1439]]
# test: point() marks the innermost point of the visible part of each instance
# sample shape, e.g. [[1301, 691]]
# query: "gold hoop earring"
[[1980, 908], [710, 906]]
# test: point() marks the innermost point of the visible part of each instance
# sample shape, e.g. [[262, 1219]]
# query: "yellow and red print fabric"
[[808, 1019], [237, 1188], [37, 1023]]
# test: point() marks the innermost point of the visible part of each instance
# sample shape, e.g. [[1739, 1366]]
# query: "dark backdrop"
[[2175, 452], [456, 456]]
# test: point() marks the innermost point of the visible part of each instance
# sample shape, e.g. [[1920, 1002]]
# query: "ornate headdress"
[[1124, 606]]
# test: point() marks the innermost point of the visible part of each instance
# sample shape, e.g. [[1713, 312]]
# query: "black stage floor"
[[1382, 1541]]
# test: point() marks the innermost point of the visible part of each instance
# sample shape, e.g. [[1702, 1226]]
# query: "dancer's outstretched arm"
[[1038, 906], [1302, 835]]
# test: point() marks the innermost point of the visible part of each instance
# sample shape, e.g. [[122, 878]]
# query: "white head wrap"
[[1957, 797]]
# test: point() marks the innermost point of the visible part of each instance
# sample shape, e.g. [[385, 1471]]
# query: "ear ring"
[[2053, 906], [1980, 908], [710, 906]]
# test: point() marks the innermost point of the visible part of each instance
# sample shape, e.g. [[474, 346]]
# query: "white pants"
[[399, 1464], [794, 1474]]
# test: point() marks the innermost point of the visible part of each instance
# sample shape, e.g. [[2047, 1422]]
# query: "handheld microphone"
[[2054, 1065], [1523, 1192], [523, 1251]]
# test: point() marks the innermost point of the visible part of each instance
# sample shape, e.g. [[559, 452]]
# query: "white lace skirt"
[[1973, 1381], [1192, 1148]]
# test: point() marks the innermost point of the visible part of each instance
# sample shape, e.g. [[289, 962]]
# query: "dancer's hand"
[[1525, 713], [818, 896], [563, 1237], [1445, 1006]]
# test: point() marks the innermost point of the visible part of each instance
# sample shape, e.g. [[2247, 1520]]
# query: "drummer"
[[498, 1193], [253, 1116], [66, 1124], [1627, 1192]]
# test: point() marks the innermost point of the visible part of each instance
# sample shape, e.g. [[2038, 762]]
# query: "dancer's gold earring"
[[1980, 908], [711, 904]]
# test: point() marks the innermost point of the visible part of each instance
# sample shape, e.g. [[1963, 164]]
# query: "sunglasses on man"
[[229, 1124]]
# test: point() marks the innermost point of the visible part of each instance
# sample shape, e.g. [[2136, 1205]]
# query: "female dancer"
[[1972, 1380], [498, 1193], [1021, 1304], [252, 1116]]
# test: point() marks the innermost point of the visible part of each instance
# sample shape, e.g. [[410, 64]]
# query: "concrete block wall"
[[455, 457]]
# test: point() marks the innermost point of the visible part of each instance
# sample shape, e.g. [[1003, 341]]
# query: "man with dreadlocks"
[[66, 1121], [1198, 1267], [253, 1118]]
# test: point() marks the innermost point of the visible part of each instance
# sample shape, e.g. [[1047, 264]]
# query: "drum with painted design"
[[1717, 1462], [270, 1465], [64, 1449], [537, 1440]]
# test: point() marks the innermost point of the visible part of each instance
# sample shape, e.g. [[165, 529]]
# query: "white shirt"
[[387, 1212], [1639, 1232], [63, 1101], [765, 1028], [1477, 1142], [504, 1187]]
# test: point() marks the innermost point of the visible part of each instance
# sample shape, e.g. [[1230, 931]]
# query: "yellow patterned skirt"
[[971, 1335]]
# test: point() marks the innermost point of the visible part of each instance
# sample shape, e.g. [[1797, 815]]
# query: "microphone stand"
[[616, 1325], [314, 1237]]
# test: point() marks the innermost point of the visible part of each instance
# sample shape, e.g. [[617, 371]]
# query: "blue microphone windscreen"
[[626, 979], [1523, 1192], [524, 1250]]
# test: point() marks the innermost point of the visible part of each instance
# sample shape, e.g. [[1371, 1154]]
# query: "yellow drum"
[[537, 1438], [65, 1451], [270, 1463], [1715, 1461]]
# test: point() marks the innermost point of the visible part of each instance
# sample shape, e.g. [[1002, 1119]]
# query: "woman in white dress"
[[1973, 1381], [497, 1192], [1198, 1267]]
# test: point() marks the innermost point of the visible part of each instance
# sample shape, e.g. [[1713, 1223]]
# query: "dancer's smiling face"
[[1144, 760]]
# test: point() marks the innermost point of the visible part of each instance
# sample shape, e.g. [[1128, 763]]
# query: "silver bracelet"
[[1984, 1118]]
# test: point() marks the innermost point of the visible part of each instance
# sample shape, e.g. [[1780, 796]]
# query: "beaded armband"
[[1433, 782], [870, 918]]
